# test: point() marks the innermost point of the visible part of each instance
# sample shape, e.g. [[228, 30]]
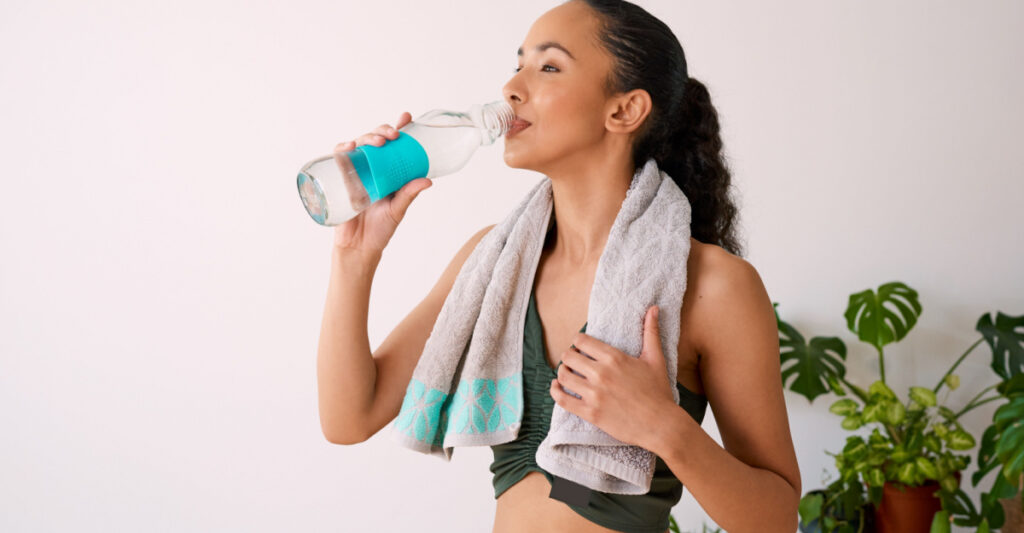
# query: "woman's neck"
[[583, 213]]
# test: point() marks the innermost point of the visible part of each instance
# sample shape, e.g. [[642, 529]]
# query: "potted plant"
[[907, 469]]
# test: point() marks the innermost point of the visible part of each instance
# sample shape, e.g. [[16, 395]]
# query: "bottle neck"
[[495, 119]]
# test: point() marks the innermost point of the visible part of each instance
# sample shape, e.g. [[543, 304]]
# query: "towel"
[[467, 387]]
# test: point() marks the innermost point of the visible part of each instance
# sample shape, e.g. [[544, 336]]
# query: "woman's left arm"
[[753, 484]]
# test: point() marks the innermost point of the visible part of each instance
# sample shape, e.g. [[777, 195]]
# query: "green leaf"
[[957, 504], [852, 422], [894, 413], [1012, 387], [844, 407], [1011, 442], [1013, 467], [926, 467], [874, 322], [875, 477], [855, 448], [1006, 342], [940, 522], [987, 459], [942, 469], [915, 439], [907, 473], [952, 381], [1004, 488], [960, 440], [1009, 413], [1009, 448], [877, 457], [810, 507], [923, 396], [880, 390], [816, 364]]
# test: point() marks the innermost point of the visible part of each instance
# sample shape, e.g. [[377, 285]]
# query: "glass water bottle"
[[336, 187]]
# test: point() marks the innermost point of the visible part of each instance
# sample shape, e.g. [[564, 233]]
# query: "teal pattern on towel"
[[492, 406]]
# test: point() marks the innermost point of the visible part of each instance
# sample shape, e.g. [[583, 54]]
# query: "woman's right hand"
[[371, 230]]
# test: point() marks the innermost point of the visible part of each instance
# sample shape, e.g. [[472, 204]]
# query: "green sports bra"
[[631, 513]]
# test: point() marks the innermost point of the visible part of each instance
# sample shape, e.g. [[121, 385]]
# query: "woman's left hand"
[[627, 397]]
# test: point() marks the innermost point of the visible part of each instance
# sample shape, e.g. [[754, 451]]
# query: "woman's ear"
[[629, 111]]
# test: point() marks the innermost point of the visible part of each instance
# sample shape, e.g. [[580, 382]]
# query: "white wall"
[[161, 286]]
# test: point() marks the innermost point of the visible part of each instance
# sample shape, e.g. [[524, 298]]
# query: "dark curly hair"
[[681, 133]]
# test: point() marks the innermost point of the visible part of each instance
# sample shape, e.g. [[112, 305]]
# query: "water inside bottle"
[[449, 145], [336, 178]]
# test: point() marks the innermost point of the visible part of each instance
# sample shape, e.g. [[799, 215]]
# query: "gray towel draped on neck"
[[467, 387]]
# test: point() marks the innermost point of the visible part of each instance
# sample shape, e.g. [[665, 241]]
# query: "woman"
[[603, 85]]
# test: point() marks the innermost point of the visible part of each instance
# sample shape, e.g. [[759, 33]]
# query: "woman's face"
[[560, 92]]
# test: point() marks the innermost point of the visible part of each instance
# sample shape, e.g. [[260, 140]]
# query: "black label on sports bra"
[[569, 492]]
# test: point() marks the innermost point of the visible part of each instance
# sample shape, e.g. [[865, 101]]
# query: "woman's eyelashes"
[[542, 68]]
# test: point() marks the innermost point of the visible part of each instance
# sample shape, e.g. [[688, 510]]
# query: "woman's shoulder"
[[717, 282], [715, 268]]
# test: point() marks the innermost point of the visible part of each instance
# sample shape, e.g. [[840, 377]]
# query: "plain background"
[[161, 286]]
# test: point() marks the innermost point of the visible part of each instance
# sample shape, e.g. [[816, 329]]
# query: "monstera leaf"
[[987, 459], [1009, 422], [1007, 344], [874, 323], [817, 364]]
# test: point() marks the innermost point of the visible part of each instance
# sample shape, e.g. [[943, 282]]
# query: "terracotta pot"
[[909, 510], [1014, 516]]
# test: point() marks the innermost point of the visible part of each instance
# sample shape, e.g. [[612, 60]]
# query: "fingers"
[[415, 187], [403, 119], [405, 195], [380, 135]]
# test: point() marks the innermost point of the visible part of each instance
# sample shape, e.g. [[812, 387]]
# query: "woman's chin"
[[514, 159]]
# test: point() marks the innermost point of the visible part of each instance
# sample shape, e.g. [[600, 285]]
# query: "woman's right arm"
[[359, 391]]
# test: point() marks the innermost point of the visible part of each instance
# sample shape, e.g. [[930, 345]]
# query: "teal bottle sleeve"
[[385, 169]]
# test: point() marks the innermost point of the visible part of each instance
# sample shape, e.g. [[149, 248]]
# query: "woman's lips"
[[518, 125]]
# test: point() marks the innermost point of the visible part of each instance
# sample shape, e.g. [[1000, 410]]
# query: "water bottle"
[[336, 187]]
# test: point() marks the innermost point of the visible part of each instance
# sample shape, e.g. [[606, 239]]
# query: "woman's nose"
[[512, 92]]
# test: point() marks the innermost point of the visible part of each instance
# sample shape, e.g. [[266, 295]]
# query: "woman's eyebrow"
[[545, 45]]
